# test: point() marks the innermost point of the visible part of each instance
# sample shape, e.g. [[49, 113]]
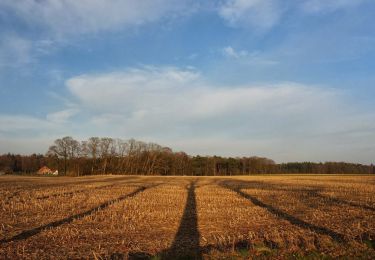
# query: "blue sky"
[[290, 80]]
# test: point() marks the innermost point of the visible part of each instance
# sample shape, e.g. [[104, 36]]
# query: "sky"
[[291, 80]]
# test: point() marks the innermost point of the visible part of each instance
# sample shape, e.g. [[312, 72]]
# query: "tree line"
[[116, 156]]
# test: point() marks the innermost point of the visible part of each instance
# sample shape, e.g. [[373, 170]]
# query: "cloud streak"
[[258, 14], [185, 95], [262, 15], [232, 53], [176, 106], [90, 16], [15, 51], [324, 6], [181, 108]]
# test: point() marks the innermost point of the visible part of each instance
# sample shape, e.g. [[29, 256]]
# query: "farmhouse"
[[45, 170]]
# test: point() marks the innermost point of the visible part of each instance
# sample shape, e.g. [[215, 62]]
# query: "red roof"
[[45, 170]]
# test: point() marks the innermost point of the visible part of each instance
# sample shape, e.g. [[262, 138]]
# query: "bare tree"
[[107, 152], [92, 146], [65, 148]]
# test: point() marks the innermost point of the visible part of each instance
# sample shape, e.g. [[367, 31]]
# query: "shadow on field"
[[341, 201], [65, 184], [32, 232], [307, 191], [113, 184], [237, 187], [186, 242], [75, 191]]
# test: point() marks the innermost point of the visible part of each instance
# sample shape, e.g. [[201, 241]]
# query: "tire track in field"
[[313, 192], [127, 183], [77, 191], [338, 237], [32, 232], [340, 202], [67, 184]]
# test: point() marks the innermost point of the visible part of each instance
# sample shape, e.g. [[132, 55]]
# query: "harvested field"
[[135, 217]]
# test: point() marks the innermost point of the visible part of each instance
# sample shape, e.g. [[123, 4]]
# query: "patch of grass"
[[370, 243], [311, 255], [243, 252]]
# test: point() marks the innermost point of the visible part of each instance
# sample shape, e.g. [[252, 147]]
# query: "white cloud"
[[26, 125], [232, 53], [14, 50], [258, 14], [85, 16], [253, 58], [180, 95], [131, 89], [181, 109], [325, 6], [53, 24], [15, 123], [62, 116], [69, 17], [262, 15]]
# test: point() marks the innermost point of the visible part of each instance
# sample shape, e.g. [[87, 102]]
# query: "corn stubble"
[[134, 217]]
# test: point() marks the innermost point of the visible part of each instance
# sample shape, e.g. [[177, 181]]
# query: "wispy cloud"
[[171, 105], [243, 56], [258, 14], [14, 50], [132, 89], [180, 108], [174, 94], [14, 123], [62, 116], [325, 6], [54, 123], [85, 16], [262, 15], [52, 25], [232, 53]]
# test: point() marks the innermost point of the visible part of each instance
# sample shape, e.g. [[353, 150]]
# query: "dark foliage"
[[116, 156]]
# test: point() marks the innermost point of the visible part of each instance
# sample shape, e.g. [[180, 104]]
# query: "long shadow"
[[73, 192], [86, 189], [291, 219], [66, 184], [32, 232], [186, 242], [312, 191], [341, 201]]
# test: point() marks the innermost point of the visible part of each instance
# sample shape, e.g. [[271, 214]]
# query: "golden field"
[[139, 217]]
